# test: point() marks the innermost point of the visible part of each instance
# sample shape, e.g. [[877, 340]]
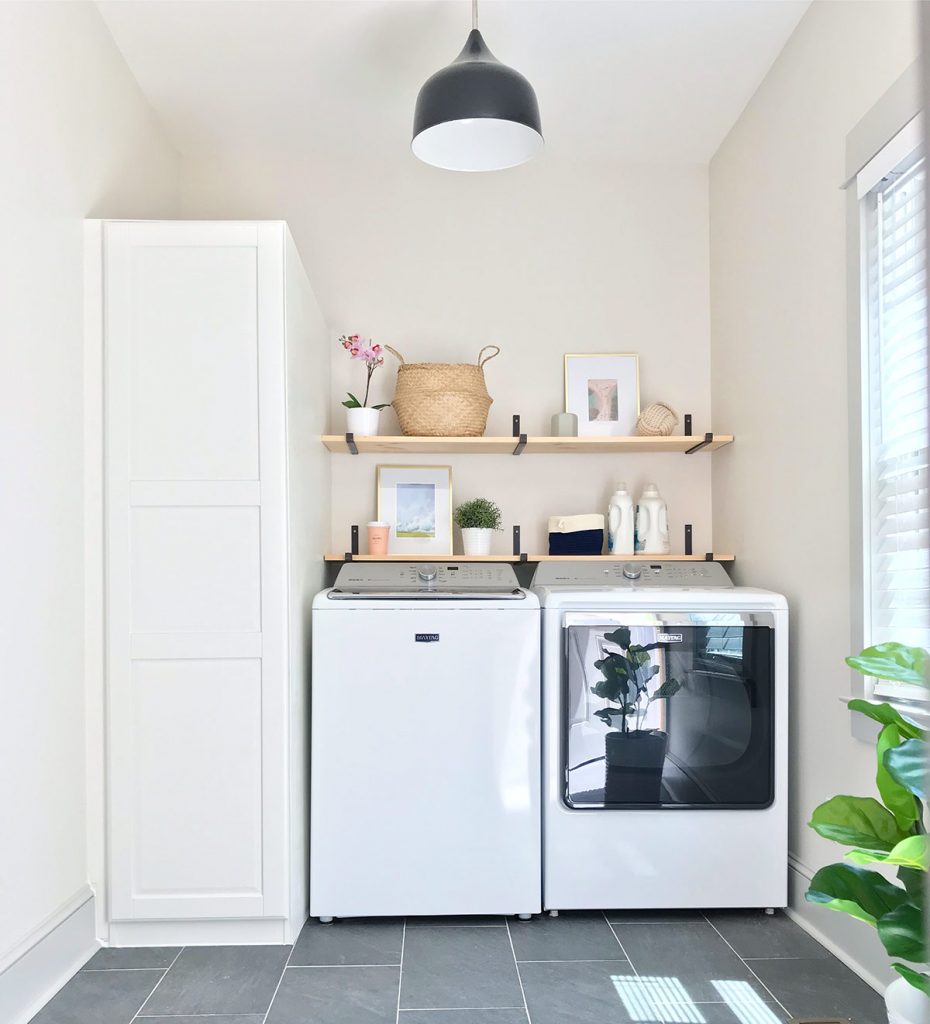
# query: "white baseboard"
[[37, 967], [853, 942], [232, 932]]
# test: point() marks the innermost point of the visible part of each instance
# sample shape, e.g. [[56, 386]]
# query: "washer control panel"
[[631, 574], [416, 579]]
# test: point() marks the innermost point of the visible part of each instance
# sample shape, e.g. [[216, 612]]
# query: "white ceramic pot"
[[477, 542], [362, 422], [906, 1004]]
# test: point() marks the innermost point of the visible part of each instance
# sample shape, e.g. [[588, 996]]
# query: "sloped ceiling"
[[643, 80]]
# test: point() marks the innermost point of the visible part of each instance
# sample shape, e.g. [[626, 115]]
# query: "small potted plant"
[[477, 519], [361, 418], [891, 834], [634, 756]]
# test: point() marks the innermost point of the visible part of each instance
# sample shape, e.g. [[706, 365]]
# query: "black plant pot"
[[634, 763]]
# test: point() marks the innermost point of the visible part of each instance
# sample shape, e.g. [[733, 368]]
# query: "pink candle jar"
[[378, 538]]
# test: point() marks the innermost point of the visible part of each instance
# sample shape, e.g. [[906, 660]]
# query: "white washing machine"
[[425, 791], [665, 708]]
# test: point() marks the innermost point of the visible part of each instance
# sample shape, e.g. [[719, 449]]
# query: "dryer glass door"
[[668, 711]]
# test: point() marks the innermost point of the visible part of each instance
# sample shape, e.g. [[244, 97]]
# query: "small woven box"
[[657, 420]]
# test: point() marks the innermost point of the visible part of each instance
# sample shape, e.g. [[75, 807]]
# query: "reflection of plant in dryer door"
[[602, 401], [416, 510]]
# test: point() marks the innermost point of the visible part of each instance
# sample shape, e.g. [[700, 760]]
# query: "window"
[[896, 512]]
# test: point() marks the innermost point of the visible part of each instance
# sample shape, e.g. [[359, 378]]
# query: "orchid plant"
[[370, 354]]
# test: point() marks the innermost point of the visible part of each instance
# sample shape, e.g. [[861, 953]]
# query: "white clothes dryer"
[[425, 743], [665, 754]]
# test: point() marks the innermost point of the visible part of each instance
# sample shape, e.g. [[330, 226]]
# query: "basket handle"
[[487, 359], [396, 354]]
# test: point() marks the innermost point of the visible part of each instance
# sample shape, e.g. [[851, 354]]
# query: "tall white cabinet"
[[214, 369]]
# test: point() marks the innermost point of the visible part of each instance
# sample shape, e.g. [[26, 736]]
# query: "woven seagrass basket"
[[442, 399]]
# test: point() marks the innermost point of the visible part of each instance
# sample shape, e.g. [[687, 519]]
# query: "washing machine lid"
[[427, 581], [636, 575]]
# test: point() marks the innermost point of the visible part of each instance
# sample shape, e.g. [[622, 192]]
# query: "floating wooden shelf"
[[339, 444], [530, 558]]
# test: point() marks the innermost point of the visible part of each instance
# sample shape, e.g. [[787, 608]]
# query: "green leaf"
[[902, 933], [914, 881], [893, 661], [897, 798], [907, 765], [383, 405], [913, 852], [863, 894], [620, 637], [668, 689], [352, 402], [920, 981], [858, 821], [887, 715]]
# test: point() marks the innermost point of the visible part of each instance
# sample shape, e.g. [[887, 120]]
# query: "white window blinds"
[[896, 434]]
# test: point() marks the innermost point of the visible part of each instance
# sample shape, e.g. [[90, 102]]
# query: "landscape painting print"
[[602, 401], [416, 510]]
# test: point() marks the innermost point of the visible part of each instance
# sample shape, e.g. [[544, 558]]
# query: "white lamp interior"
[[477, 144]]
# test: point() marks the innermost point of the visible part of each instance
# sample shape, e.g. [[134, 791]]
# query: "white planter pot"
[[362, 422], [905, 1004], [477, 542]]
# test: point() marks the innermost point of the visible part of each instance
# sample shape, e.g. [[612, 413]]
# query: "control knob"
[[632, 571]]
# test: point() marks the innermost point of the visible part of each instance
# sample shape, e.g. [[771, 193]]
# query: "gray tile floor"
[[579, 968]]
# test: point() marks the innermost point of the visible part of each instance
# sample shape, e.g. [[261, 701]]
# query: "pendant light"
[[476, 114]]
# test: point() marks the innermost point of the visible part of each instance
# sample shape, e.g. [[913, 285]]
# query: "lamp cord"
[[474, 14]]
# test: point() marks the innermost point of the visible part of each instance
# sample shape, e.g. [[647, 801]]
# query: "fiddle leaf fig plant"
[[891, 832], [627, 674]]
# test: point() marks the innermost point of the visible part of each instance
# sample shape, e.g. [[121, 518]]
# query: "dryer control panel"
[[631, 574]]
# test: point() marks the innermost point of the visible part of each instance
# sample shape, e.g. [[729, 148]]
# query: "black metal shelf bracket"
[[708, 439], [521, 439], [517, 545], [352, 446], [709, 556], [353, 542], [688, 540], [687, 424]]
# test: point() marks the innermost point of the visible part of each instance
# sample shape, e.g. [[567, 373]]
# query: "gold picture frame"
[[602, 390], [413, 530]]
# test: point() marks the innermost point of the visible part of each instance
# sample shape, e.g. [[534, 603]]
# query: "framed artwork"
[[417, 502], [602, 390]]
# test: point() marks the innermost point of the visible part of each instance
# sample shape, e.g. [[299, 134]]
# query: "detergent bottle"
[[652, 523], [620, 522]]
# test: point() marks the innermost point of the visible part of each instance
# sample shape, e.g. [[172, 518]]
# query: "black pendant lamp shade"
[[476, 114]]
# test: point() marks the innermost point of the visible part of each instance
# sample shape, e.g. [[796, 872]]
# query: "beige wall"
[[781, 495], [76, 140], [545, 259]]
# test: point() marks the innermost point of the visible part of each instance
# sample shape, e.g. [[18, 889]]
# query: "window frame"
[[900, 108], [906, 146]]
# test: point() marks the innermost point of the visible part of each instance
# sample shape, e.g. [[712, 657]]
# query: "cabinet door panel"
[[196, 570], [193, 349], [196, 762]]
